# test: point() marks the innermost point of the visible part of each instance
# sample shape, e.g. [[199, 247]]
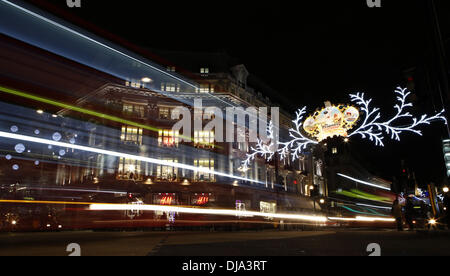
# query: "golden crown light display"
[[341, 121], [331, 121]]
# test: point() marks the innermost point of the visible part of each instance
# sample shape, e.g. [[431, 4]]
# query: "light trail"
[[198, 211], [90, 112], [73, 190], [96, 42], [176, 209], [364, 182], [120, 155], [364, 219], [45, 202], [373, 206]]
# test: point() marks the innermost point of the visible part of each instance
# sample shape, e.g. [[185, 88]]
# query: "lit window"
[[171, 69], [165, 113], [243, 147], [131, 134], [134, 110], [168, 138], [134, 84], [167, 173], [205, 88], [204, 70], [170, 87], [335, 150], [207, 164], [204, 139], [129, 169]]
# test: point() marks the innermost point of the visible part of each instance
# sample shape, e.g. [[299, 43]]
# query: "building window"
[[204, 139], [131, 135], [335, 150], [207, 164], [204, 70], [171, 69], [241, 146], [319, 165], [134, 84], [205, 88], [167, 173], [129, 169], [168, 138], [134, 110], [165, 113], [170, 87]]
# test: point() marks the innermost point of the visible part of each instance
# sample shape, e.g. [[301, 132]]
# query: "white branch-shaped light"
[[295, 147], [263, 149], [373, 129], [299, 142]]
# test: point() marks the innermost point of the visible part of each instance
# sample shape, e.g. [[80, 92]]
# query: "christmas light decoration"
[[299, 142], [374, 130], [337, 121], [266, 150]]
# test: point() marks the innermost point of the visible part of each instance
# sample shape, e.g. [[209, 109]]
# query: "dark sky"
[[310, 52]]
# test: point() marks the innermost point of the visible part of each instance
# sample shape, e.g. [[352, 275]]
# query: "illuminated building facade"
[[84, 120]]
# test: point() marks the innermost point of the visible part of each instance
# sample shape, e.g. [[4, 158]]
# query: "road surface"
[[263, 243]]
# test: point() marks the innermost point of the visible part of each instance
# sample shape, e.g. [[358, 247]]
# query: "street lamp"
[[146, 80], [446, 189], [322, 201], [432, 222]]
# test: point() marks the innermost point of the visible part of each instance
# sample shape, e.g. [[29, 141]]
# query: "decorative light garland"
[[371, 128]]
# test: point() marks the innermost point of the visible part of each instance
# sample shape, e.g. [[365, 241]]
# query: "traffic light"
[[410, 79]]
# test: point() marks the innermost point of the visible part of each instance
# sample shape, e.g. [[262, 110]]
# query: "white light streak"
[[95, 41], [119, 154], [364, 182], [364, 219], [221, 212]]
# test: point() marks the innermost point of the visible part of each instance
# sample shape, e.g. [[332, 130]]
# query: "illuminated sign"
[[201, 199], [165, 199], [331, 121]]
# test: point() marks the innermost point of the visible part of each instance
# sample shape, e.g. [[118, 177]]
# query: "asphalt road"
[[267, 243]]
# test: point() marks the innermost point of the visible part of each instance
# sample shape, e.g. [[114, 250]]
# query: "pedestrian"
[[409, 213], [398, 214]]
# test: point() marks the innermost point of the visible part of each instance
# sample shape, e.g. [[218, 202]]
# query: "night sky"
[[310, 52]]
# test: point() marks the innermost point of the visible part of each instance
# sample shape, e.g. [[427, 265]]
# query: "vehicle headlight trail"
[[119, 154]]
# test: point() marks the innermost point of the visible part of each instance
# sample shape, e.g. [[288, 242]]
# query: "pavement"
[[263, 243]]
